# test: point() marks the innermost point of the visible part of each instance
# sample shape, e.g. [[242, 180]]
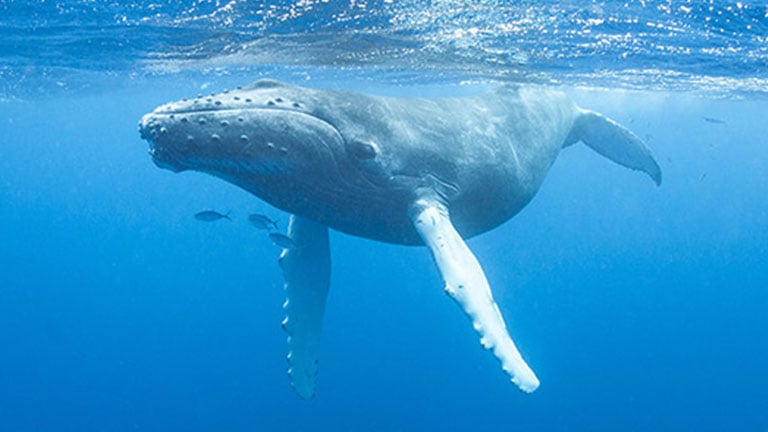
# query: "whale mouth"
[[167, 163], [151, 129]]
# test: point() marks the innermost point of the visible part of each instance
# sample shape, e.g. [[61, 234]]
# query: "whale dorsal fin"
[[465, 282], [614, 141], [307, 272]]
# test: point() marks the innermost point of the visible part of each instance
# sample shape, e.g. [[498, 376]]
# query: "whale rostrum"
[[409, 171]]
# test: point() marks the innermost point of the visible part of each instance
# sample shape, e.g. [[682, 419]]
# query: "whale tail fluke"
[[614, 141]]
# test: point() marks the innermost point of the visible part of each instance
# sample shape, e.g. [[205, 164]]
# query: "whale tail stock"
[[614, 141]]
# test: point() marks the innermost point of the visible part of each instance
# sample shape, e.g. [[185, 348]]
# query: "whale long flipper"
[[307, 272], [465, 282]]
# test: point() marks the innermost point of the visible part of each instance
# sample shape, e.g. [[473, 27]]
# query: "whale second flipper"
[[465, 282], [307, 272], [612, 140]]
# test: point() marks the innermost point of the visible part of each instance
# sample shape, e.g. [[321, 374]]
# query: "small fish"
[[210, 216], [282, 240], [262, 222], [713, 120]]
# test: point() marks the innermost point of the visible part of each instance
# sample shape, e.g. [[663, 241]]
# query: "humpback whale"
[[411, 171]]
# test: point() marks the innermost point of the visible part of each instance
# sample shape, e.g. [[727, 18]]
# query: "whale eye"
[[361, 150]]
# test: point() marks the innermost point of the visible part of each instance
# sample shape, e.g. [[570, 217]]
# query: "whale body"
[[409, 171]]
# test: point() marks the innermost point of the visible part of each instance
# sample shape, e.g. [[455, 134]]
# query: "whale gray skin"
[[400, 170]]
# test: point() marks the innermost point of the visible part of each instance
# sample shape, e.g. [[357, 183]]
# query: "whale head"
[[264, 138]]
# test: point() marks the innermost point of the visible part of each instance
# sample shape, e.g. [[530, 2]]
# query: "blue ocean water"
[[640, 308]]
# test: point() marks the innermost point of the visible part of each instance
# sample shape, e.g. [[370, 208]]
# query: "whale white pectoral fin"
[[465, 282], [615, 142], [306, 269]]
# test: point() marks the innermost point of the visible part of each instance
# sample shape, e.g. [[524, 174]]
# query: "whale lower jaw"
[[166, 165]]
